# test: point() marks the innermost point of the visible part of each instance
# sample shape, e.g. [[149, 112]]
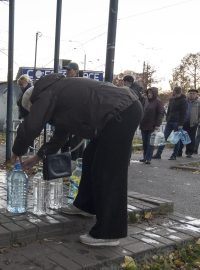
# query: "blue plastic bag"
[[174, 137], [185, 138]]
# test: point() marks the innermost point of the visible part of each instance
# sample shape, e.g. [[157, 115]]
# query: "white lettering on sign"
[[91, 75]]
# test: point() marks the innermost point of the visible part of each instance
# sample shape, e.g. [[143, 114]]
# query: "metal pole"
[[85, 61], [57, 36], [110, 53], [36, 41], [10, 81]]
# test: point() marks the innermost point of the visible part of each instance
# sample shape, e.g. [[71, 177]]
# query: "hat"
[[26, 103], [192, 90], [128, 78], [72, 65]]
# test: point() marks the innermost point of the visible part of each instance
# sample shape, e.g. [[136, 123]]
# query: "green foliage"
[[148, 76], [2, 138], [187, 74], [183, 258]]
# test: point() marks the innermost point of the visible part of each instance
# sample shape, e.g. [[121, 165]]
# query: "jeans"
[[197, 140], [147, 148], [170, 126]]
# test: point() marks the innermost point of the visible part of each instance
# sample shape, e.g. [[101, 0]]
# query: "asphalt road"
[[157, 179]]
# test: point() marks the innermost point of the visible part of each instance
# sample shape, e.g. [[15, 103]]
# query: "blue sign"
[[95, 75], [90, 74], [40, 72]]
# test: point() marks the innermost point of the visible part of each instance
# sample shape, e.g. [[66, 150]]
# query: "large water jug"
[[39, 194], [17, 183], [55, 193], [75, 181]]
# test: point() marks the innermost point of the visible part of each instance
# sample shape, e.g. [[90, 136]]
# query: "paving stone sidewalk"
[[24, 228], [66, 252], [52, 241]]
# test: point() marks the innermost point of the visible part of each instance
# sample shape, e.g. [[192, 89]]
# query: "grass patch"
[[182, 258], [2, 137]]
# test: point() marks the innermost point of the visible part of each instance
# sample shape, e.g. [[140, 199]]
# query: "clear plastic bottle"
[[55, 193], [17, 183], [152, 138], [160, 139], [39, 194], [74, 181]]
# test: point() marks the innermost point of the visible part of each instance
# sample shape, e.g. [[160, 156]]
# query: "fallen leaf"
[[198, 242], [148, 215], [129, 263]]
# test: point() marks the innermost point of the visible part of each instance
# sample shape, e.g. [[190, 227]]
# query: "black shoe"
[[188, 156], [147, 162], [195, 152], [172, 158], [142, 160], [156, 156]]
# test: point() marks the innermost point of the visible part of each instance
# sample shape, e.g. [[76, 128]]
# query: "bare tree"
[[148, 76], [187, 74]]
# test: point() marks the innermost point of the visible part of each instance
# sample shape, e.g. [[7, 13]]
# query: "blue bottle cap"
[[18, 166]]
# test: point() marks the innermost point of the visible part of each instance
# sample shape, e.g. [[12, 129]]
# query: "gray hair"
[[25, 78]]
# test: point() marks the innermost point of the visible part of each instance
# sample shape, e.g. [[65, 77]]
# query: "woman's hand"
[[14, 159], [30, 162]]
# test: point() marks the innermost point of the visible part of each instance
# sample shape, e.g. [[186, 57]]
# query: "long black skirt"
[[103, 186]]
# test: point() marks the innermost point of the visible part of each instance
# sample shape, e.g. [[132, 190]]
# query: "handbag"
[[56, 165]]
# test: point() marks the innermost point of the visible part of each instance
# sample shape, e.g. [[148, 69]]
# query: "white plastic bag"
[[157, 138]]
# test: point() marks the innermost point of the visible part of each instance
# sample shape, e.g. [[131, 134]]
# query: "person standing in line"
[[136, 90], [152, 119], [24, 82], [72, 69], [135, 87], [191, 122], [176, 114], [106, 115], [197, 140], [73, 141]]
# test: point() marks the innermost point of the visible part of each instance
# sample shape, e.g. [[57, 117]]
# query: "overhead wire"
[[155, 9]]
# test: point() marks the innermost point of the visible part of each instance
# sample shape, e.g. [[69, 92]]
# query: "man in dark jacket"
[[175, 118], [106, 115], [135, 87], [192, 121], [73, 142]]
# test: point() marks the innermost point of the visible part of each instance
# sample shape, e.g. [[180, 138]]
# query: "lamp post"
[[82, 47], [38, 34]]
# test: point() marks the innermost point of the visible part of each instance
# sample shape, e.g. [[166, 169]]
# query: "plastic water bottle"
[[152, 138], [17, 183], [160, 139], [75, 181], [55, 193], [39, 194]]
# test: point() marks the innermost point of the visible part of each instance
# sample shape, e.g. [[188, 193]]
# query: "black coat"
[[177, 109], [73, 105]]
